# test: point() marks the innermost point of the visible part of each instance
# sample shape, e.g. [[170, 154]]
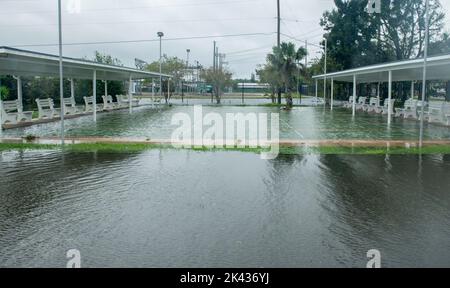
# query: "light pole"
[[188, 51], [424, 80], [61, 83], [160, 35]]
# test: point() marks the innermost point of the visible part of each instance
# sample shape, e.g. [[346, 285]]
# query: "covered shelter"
[[438, 68], [23, 63]]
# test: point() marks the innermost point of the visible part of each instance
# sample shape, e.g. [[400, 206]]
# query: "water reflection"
[[311, 123], [165, 208]]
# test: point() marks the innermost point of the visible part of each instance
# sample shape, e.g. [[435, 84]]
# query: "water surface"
[[302, 123], [165, 208]]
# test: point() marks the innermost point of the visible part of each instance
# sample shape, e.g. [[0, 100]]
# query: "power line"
[[137, 22], [143, 40], [136, 7]]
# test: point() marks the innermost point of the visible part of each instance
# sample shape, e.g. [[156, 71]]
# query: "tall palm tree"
[[284, 60]]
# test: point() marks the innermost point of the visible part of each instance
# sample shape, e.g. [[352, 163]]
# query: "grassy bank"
[[294, 150]]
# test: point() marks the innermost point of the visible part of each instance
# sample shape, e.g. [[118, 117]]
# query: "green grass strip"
[[300, 150]]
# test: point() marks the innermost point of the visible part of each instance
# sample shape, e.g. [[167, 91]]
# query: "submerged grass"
[[285, 150]]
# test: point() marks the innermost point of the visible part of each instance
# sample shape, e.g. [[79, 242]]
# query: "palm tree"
[[284, 60]]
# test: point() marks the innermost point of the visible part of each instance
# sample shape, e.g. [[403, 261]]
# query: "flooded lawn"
[[165, 208], [302, 123]]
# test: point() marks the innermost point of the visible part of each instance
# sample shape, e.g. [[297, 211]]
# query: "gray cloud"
[[30, 22]]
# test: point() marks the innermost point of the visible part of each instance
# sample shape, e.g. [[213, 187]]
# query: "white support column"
[[354, 96], [412, 89], [106, 88], [153, 88], [332, 94], [378, 91], [168, 90], [19, 92], [317, 90], [94, 89], [72, 89], [1, 110], [389, 98], [130, 94]]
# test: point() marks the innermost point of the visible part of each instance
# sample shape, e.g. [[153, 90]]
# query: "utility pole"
[[279, 40], [278, 24], [214, 57], [214, 70], [160, 35]]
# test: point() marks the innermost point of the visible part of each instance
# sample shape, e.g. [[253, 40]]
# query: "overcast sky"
[[34, 22]]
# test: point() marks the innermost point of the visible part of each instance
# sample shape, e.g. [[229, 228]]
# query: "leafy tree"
[[357, 38], [283, 61], [173, 66], [441, 46], [219, 78], [268, 74]]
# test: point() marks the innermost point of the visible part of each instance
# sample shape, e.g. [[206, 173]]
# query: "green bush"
[[4, 92]]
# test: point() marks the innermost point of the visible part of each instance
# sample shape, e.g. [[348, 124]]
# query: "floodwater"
[[302, 123], [166, 208]]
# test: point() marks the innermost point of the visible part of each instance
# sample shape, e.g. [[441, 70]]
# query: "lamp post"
[[61, 83], [160, 35], [424, 80]]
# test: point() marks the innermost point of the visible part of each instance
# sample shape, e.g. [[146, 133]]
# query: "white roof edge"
[[87, 63], [398, 65]]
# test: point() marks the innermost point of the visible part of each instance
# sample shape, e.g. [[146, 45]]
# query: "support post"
[[168, 90], [412, 89], [317, 91], [354, 96], [19, 92], [325, 77], [61, 79], [1, 109], [378, 91], [153, 88], [332, 94], [130, 94], [425, 62], [106, 88], [390, 98], [94, 91], [72, 89]]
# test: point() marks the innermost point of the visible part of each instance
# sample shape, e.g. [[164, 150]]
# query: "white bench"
[[447, 113], [374, 102], [384, 110], [123, 101], [437, 112], [12, 112], [46, 108], [361, 103], [349, 103], [108, 103], [408, 110], [89, 104], [70, 107]]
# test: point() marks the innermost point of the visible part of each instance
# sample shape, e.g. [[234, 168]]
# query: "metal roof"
[[438, 68], [29, 63]]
